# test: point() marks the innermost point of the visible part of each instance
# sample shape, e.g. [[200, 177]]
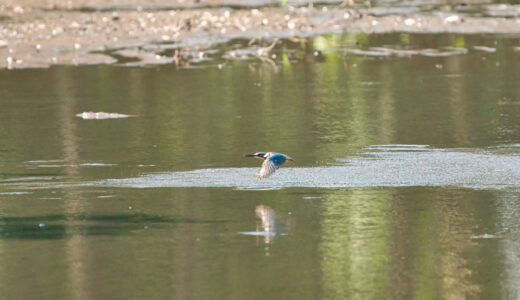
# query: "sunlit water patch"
[[384, 166]]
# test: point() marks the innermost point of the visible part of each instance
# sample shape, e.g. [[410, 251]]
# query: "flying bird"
[[272, 161]]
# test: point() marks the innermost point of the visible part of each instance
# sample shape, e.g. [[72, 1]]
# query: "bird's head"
[[261, 155]]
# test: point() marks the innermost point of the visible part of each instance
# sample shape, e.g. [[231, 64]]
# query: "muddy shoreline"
[[45, 34]]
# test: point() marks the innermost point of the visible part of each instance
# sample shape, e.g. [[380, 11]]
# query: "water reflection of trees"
[[412, 243]]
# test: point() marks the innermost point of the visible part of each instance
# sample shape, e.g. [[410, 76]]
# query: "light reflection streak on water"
[[377, 166], [406, 242], [354, 245], [509, 211]]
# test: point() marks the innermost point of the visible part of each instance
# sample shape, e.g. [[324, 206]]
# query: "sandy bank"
[[44, 35]]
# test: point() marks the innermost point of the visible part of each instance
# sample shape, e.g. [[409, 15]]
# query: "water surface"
[[405, 185]]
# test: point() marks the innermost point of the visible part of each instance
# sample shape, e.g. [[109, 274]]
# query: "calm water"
[[406, 183]]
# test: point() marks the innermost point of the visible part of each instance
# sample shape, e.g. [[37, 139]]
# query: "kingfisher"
[[272, 161]]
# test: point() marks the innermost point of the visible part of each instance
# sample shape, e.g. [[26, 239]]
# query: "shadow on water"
[[53, 227]]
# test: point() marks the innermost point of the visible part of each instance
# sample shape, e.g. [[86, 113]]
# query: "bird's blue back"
[[277, 159]]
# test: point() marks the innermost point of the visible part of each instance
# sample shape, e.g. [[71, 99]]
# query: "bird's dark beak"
[[257, 155]]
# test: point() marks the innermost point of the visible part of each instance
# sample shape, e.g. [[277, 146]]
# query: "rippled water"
[[378, 166], [405, 185], [388, 167]]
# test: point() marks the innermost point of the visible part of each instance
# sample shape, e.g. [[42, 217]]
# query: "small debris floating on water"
[[485, 49], [101, 115], [484, 236]]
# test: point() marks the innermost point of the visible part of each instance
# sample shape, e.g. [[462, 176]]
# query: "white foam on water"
[[96, 165], [89, 115], [260, 233], [484, 236]]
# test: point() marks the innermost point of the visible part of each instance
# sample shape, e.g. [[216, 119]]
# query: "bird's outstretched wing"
[[268, 168]]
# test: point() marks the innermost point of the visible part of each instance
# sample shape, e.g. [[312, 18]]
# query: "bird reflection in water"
[[270, 224], [269, 227]]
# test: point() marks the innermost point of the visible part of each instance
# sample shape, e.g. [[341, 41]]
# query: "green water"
[[62, 237]]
